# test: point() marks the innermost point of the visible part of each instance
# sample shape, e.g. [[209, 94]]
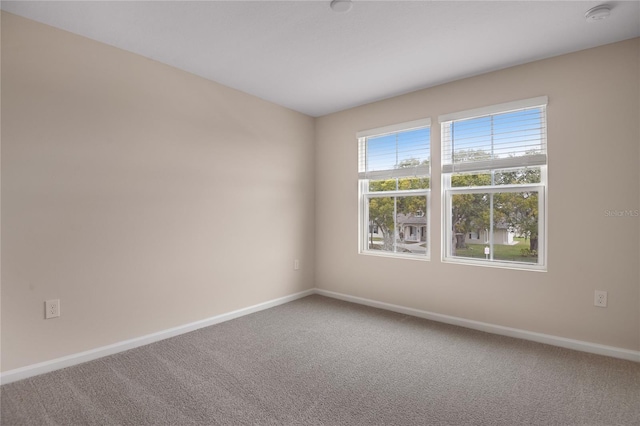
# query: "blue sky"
[[514, 133], [384, 152]]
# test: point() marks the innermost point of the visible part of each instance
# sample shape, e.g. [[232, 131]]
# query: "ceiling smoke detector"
[[341, 6], [598, 13]]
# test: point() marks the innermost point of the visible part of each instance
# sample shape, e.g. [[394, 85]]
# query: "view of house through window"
[[394, 173], [494, 183]]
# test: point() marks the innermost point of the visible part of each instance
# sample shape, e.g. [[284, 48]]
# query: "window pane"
[[381, 153], [381, 224], [413, 148], [470, 225], [398, 224], [518, 133], [518, 176], [402, 150], [411, 222], [511, 134], [383, 185], [413, 183], [513, 235], [470, 179], [399, 184], [515, 226]]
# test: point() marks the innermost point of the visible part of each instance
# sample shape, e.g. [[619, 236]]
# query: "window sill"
[[378, 253], [496, 264]]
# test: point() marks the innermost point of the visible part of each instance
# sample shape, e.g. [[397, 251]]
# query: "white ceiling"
[[302, 55]]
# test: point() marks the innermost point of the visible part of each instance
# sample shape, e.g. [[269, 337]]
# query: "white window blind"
[[387, 152], [498, 137]]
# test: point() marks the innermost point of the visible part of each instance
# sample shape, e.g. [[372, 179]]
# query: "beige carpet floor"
[[319, 361]]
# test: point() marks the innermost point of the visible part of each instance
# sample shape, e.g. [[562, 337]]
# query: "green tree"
[[411, 204], [519, 209], [381, 209], [410, 162], [381, 215], [469, 212]]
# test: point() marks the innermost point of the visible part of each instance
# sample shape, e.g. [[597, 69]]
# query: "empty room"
[[339, 212]]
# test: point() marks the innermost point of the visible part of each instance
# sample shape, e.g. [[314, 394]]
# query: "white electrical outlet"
[[52, 308], [600, 299], [296, 264]]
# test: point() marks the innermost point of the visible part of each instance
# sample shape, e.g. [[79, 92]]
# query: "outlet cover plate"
[[52, 308], [600, 299]]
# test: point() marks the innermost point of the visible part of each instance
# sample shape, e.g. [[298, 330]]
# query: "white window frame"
[[447, 170], [364, 195]]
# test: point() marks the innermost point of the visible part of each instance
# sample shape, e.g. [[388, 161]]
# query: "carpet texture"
[[319, 361]]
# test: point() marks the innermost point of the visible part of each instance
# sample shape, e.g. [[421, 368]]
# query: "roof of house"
[[411, 219]]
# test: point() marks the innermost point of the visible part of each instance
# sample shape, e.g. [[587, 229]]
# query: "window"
[[494, 181], [394, 182]]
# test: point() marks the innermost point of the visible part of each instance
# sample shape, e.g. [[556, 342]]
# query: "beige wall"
[[142, 196], [593, 146], [146, 198]]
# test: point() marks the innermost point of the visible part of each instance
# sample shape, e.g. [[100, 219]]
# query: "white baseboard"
[[78, 358], [577, 345]]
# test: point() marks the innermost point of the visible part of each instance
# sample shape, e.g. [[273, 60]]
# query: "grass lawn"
[[501, 252]]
